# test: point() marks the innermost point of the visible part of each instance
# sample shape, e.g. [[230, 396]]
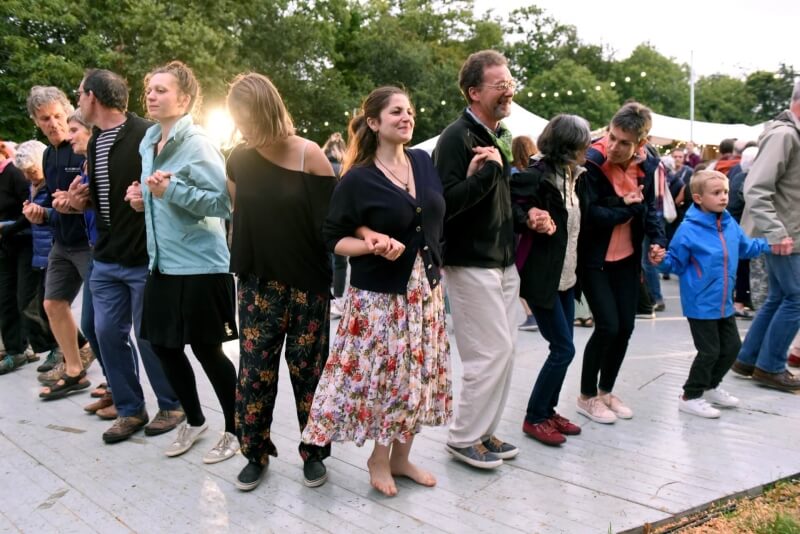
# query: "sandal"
[[99, 392], [586, 323], [66, 385]]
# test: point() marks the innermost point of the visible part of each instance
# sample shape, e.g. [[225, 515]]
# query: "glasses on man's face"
[[503, 86]]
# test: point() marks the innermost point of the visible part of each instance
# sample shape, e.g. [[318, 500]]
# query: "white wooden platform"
[[56, 475]]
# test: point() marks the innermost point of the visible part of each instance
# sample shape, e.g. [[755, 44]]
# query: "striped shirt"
[[105, 140]]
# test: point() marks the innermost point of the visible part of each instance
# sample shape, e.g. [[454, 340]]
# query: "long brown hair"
[[522, 148], [256, 95], [362, 141]]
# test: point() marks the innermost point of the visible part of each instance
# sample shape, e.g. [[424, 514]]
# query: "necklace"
[[404, 184]]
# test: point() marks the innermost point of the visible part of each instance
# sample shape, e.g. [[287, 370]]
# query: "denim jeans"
[[651, 276], [776, 322], [87, 318], [556, 326], [117, 294]]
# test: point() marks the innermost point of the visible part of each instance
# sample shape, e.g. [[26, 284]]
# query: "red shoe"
[[564, 425], [793, 360], [544, 432]]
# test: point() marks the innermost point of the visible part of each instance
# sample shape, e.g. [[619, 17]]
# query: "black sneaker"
[[250, 477], [500, 448], [314, 473]]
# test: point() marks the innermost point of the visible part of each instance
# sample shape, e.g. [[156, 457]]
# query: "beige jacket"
[[772, 187]]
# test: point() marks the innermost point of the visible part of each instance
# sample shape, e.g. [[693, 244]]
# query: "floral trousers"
[[269, 314]]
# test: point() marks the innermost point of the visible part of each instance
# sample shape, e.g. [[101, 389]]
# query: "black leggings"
[[612, 294], [220, 371]]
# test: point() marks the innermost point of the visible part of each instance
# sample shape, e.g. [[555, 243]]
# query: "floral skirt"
[[388, 370]]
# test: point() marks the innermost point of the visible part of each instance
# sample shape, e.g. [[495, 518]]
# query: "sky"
[[735, 37]]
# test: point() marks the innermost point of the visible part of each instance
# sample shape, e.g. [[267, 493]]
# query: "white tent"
[[520, 122], [666, 130]]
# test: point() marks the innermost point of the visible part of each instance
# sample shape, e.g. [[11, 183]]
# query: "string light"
[[597, 87], [569, 93], [627, 79], [422, 110], [613, 84], [444, 102], [643, 74]]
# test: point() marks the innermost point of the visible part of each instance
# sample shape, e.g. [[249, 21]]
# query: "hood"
[[709, 220], [783, 119]]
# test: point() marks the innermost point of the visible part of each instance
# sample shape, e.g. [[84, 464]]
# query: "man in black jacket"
[[482, 281], [69, 257], [120, 256]]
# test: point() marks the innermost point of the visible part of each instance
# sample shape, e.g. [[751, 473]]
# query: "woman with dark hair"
[[547, 215], [189, 293], [281, 184], [389, 369]]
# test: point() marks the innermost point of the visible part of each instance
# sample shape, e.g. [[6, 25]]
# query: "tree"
[[570, 88], [770, 91], [654, 80], [723, 99]]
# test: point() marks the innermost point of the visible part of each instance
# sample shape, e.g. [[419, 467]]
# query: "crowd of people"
[[175, 245]]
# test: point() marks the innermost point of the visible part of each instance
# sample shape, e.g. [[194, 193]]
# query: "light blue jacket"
[[185, 228], [705, 252]]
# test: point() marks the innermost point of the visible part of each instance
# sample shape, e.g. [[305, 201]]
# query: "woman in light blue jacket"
[[189, 296]]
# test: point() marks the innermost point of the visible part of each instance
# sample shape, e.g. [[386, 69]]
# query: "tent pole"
[[691, 96]]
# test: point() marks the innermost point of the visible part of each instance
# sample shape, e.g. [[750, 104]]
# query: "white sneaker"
[[721, 397], [699, 407], [615, 405], [595, 409], [225, 448], [186, 437]]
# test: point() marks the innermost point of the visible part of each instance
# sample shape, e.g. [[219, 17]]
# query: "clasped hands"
[[381, 244], [158, 182], [541, 222]]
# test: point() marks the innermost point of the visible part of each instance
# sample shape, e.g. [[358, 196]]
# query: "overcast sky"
[[733, 37]]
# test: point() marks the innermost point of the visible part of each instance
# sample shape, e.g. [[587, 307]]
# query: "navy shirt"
[[61, 166], [366, 197]]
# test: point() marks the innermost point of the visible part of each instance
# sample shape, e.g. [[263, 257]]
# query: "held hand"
[[376, 242], [656, 254], [61, 201], [78, 194], [396, 249], [491, 153], [33, 212], [784, 248], [540, 221], [477, 163], [133, 195], [634, 197], [158, 183]]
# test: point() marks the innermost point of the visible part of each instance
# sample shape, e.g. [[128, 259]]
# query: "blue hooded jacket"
[[705, 253]]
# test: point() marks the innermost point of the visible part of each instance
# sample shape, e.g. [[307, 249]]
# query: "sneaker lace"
[[223, 443], [183, 433], [495, 442], [481, 449]]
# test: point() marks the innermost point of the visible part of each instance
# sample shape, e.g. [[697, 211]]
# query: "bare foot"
[[380, 476], [406, 469]]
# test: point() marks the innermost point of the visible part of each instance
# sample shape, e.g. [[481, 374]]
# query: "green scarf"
[[503, 141]]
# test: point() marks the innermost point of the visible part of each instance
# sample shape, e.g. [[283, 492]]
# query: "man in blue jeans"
[[120, 256], [772, 196]]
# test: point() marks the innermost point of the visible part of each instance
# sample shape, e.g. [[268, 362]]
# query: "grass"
[[776, 511]]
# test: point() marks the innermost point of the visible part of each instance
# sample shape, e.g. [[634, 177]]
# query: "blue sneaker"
[[475, 455], [500, 448], [529, 325]]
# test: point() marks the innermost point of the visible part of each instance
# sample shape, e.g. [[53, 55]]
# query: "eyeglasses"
[[503, 86]]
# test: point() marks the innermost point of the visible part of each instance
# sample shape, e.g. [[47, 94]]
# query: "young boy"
[[704, 252]]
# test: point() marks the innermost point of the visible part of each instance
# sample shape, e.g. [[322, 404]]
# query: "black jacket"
[[125, 242], [602, 209], [540, 273], [365, 197], [479, 227], [61, 166]]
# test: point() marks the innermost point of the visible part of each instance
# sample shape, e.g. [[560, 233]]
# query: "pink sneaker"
[[595, 409], [616, 406]]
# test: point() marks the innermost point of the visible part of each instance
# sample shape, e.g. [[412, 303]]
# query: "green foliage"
[[326, 55], [780, 524]]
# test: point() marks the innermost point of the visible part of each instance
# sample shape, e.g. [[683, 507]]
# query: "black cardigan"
[[479, 230], [541, 271], [125, 242], [366, 197]]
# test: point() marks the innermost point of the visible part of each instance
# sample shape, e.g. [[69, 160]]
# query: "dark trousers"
[[269, 314], [741, 292], [339, 274], [22, 316], [717, 342], [556, 325], [219, 370], [612, 294]]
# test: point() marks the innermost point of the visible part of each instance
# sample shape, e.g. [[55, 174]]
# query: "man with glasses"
[[68, 261], [473, 157]]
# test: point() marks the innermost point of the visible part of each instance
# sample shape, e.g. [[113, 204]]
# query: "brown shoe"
[[164, 421], [125, 427], [109, 413], [784, 381], [48, 378], [103, 402], [742, 369]]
